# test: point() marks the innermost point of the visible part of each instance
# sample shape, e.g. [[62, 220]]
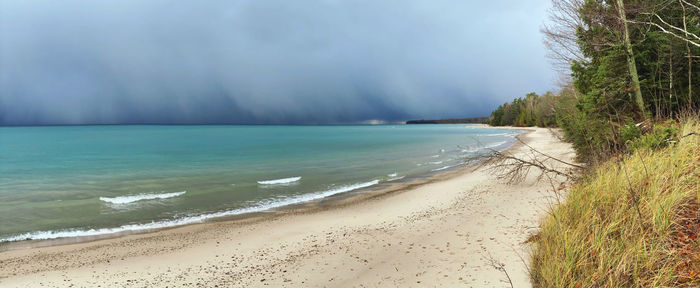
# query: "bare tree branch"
[[691, 5], [514, 169], [560, 34], [550, 157], [665, 31], [676, 28]]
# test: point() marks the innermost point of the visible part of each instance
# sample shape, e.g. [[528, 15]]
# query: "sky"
[[266, 61]]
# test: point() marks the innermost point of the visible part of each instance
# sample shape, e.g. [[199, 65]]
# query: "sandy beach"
[[441, 233]]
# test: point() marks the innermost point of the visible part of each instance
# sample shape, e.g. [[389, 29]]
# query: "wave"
[[279, 181], [494, 134], [443, 168], [139, 197], [490, 146], [436, 156], [341, 189], [496, 144], [500, 134], [392, 174], [260, 207], [395, 178], [436, 162]]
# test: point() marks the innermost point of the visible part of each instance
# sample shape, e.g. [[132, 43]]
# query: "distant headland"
[[473, 120]]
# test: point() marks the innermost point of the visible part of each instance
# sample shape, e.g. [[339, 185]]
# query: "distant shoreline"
[[474, 120], [438, 121]]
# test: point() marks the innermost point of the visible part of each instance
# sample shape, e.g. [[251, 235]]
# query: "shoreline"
[[328, 202], [296, 234]]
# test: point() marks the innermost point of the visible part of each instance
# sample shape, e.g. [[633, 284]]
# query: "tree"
[[630, 58], [560, 34], [497, 117]]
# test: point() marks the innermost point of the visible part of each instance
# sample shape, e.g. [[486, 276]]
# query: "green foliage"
[[496, 118], [618, 226], [630, 131], [591, 137], [586, 133], [662, 135], [533, 110], [603, 120], [662, 60], [598, 111]]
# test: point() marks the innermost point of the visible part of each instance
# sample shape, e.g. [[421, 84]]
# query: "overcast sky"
[[265, 61]]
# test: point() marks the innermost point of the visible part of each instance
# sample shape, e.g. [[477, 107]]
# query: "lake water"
[[91, 180]]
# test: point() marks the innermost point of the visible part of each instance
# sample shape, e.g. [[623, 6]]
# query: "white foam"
[[280, 181], [477, 149], [395, 178], [436, 156], [392, 174], [443, 168], [496, 144], [436, 162], [260, 207], [140, 197], [500, 134]]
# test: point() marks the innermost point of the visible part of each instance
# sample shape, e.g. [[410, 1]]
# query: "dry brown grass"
[[633, 222]]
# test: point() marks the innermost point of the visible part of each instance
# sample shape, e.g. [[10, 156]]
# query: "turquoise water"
[[91, 180]]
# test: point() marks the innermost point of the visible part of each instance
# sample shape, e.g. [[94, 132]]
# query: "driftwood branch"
[[514, 168], [550, 157], [500, 267]]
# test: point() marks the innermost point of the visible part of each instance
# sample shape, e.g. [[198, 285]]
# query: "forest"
[[621, 63], [627, 103]]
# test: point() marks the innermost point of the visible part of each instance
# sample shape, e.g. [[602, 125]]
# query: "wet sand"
[[439, 233]]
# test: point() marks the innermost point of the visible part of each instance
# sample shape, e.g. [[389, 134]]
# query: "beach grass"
[[633, 222]]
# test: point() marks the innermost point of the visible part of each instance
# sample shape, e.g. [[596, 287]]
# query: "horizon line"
[[357, 123]]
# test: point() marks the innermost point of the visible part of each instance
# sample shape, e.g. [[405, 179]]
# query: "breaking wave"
[[140, 197], [280, 181], [259, 207]]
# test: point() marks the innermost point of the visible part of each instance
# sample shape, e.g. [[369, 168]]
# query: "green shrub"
[[630, 131], [661, 136]]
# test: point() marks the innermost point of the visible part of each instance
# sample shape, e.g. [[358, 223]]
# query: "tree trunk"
[[690, 61], [630, 60], [670, 79]]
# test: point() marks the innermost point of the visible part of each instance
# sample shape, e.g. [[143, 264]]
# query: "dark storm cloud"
[[264, 61]]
